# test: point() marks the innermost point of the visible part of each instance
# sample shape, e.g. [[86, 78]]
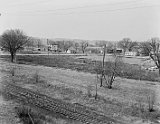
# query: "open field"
[[137, 60], [122, 102], [85, 65]]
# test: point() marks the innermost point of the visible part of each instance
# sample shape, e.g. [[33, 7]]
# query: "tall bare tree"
[[124, 44], [152, 49], [155, 53], [145, 48], [13, 40]]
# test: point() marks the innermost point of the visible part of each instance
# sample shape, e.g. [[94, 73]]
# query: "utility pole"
[[48, 47], [102, 75]]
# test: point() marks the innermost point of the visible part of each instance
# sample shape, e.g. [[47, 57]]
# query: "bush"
[[27, 116]]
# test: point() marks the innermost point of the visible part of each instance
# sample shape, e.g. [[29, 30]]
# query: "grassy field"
[[127, 101], [129, 60], [74, 80], [131, 71]]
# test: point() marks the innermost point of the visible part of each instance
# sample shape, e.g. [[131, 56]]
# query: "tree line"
[[14, 40]]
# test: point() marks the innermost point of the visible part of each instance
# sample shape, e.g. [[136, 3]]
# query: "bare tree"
[[30, 43], [132, 45], [112, 70], [101, 43], [108, 71], [152, 49], [84, 45], [39, 43], [155, 53], [124, 44], [145, 48], [13, 40]]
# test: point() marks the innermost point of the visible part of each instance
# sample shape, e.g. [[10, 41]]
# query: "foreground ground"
[[78, 87]]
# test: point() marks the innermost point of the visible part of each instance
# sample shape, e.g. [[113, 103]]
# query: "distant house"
[[53, 47], [71, 50]]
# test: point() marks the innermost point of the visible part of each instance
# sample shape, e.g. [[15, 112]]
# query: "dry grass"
[[127, 98], [30, 115], [71, 62]]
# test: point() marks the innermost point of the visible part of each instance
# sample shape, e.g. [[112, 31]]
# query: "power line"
[[100, 11], [87, 6], [30, 3]]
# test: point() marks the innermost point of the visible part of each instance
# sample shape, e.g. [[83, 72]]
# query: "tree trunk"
[[96, 92], [124, 52], [12, 57], [109, 86], [101, 81], [110, 82], [83, 51]]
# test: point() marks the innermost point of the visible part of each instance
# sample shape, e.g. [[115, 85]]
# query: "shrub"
[[27, 116]]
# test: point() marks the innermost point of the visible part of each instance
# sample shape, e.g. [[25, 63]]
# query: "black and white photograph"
[[79, 61]]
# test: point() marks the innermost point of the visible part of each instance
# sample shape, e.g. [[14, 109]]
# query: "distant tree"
[[39, 43], [101, 43], [109, 47], [83, 46], [51, 42], [13, 40], [76, 46], [145, 48], [60, 44], [131, 45], [30, 43], [124, 44], [67, 45]]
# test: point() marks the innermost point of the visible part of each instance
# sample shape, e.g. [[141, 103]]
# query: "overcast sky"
[[83, 19]]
